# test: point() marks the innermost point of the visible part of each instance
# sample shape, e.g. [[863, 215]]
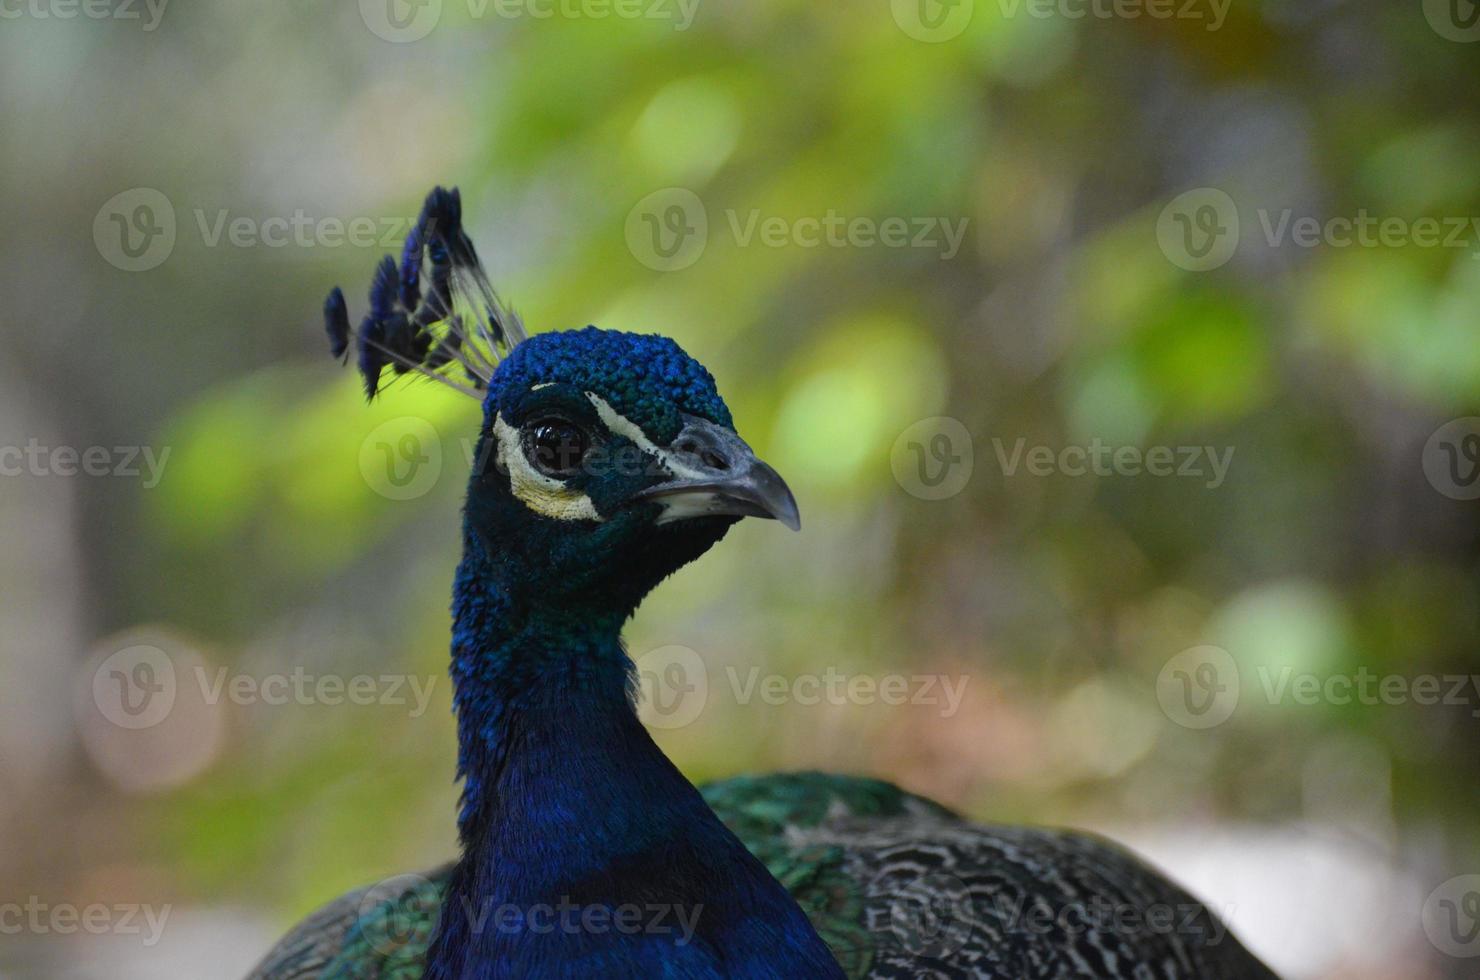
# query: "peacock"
[[605, 462]]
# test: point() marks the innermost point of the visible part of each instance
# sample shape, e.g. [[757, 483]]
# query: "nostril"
[[715, 461]]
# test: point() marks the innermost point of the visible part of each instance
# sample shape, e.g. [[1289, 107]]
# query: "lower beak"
[[717, 474]]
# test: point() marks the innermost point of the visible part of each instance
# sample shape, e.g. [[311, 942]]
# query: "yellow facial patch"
[[542, 494]]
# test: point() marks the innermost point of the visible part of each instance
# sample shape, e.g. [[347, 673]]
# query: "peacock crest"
[[454, 330]]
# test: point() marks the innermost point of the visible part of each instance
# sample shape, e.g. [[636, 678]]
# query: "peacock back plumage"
[[898, 887]]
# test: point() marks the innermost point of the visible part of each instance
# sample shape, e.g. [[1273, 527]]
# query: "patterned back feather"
[[899, 887]]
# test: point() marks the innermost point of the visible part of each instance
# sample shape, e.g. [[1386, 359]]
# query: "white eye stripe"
[[628, 429], [540, 493]]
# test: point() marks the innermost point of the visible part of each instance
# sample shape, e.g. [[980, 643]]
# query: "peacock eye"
[[555, 446]]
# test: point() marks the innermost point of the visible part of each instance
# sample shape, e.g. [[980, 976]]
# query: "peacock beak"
[[717, 474]]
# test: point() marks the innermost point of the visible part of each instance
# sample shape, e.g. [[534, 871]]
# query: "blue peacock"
[[607, 461]]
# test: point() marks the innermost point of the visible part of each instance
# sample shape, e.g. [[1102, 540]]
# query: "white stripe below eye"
[[625, 427], [540, 493]]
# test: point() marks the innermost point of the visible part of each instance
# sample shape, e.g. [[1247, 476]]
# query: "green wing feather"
[[770, 813]]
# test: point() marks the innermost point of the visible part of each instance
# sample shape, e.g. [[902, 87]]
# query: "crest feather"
[[453, 329]]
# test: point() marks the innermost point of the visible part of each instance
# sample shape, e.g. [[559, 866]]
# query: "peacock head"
[[606, 460]]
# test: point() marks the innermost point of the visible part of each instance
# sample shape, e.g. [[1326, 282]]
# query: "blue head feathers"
[[646, 378]]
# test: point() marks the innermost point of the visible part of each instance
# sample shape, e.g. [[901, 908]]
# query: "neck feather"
[[568, 804]]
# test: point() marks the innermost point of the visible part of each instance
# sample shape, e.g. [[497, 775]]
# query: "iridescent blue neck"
[[516, 660], [569, 805]]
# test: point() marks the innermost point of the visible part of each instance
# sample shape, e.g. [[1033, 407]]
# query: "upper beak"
[[716, 473]]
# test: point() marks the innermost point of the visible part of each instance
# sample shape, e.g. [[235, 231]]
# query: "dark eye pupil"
[[557, 447]]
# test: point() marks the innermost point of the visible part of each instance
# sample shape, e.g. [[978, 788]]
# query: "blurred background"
[[1123, 358]]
